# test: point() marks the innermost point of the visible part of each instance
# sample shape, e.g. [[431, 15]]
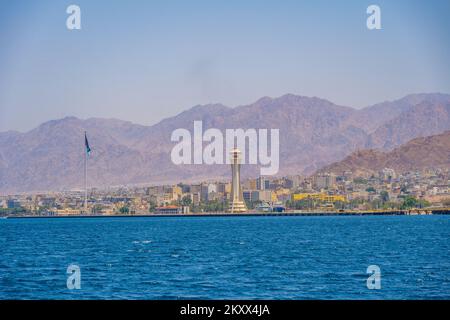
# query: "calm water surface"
[[226, 257]]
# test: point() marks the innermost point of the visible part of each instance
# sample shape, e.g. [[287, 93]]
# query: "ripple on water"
[[227, 258]]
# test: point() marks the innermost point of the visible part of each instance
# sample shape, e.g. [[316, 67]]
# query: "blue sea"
[[226, 257]]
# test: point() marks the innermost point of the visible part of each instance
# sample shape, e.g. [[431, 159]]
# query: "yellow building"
[[281, 193], [318, 196]]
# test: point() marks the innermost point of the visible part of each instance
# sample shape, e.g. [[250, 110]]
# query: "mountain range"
[[432, 152], [314, 133]]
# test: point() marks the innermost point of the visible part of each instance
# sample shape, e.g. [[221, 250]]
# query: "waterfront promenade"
[[437, 211]]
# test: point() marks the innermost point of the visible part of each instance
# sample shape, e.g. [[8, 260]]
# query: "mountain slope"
[[372, 117], [423, 119], [417, 154]]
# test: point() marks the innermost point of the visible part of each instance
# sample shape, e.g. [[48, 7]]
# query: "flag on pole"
[[86, 143]]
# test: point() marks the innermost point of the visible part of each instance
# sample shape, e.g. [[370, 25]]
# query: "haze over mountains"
[[313, 133]]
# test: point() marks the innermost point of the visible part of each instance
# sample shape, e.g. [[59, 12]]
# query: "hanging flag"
[[86, 143]]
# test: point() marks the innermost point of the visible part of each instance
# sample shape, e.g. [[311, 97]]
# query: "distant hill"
[[417, 154], [313, 133]]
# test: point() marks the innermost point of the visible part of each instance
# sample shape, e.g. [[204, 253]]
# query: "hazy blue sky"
[[147, 60]]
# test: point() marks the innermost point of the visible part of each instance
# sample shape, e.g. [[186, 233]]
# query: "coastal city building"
[[385, 190]]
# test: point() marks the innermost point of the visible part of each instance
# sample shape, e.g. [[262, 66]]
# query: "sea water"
[[226, 257]]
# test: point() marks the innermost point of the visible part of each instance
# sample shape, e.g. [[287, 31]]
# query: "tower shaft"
[[237, 203]]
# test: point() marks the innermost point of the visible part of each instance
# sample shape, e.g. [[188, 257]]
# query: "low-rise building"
[[169, 210]]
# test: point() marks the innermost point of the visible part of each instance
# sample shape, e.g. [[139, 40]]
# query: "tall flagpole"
[[85, 176]]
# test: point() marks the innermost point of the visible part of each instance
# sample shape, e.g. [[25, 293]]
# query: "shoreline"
[[444, 211]]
